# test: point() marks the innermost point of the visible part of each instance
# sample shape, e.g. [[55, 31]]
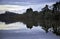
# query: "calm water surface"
[[19, 31]]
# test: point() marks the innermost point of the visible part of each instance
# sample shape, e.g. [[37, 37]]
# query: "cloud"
[[26, 2], [20, 9], [12, 8]]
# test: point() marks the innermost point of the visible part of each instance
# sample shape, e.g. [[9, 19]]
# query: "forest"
[[48, 17]]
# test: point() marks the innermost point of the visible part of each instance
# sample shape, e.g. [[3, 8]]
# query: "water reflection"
[[20, 31], [16, 26]]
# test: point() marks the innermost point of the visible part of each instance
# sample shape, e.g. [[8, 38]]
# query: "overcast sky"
[[20, 6]]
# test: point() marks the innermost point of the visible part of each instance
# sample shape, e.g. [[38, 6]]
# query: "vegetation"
[[47, 18]]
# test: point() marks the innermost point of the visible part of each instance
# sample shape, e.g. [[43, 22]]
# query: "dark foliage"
[[46, 18]]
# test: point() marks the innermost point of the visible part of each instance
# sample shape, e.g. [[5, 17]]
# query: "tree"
[[45, 8], [56, 7], [29, 10]]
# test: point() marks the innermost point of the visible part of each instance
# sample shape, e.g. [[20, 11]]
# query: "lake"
[[19, 30]]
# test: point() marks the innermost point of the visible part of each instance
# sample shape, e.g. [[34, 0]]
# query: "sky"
[[20, 6]]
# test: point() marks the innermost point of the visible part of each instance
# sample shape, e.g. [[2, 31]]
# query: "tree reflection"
[[47, 18]]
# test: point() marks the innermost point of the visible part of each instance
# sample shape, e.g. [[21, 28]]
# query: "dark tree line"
[[46, 18]]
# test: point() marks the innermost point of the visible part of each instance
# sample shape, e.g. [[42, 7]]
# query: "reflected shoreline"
[[47, 18]]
